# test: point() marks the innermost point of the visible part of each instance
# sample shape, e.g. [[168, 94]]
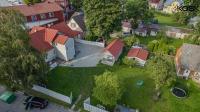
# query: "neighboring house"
[[141, 32], [145, 30], [112, 52], [63, 28], [77, 23], [177, 33], [193, 21], [156, 4], [138, 54], [126, 27], [52, 44], [188, 62], [41, 14], [171, 6]]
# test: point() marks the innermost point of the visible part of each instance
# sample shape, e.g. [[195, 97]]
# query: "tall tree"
[[102, 16], [20, 66], [108, 88], [77, 4], [162, 70], [137, 10]]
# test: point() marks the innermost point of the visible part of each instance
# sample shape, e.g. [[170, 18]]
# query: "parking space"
[[17, 105], [86, 55]]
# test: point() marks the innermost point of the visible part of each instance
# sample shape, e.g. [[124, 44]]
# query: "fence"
[[90, 42], [91, 108], [53, 94]]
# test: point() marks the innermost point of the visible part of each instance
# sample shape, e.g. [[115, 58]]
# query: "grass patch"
[[168, 20], [81, 81]]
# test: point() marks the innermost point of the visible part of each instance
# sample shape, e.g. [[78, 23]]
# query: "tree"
[[162, 70], [77, 4], [20, 65], [102, 17], [32, 1], [197, 28], [108, 88], [137, 10], [129, 62], [129, 41]]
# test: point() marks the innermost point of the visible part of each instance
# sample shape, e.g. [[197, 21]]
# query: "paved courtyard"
[[17, 105], [86, 56]]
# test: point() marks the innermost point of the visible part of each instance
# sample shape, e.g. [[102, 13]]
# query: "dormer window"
[[42, 16], [51, 14], [73, 25]]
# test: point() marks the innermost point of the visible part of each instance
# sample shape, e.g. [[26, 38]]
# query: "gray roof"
[[79, 18], [120, 108], [190, 57]]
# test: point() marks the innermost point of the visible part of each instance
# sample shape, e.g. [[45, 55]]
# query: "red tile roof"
[[115, 47], [61, 39], [38, 41], [139, 53], [41, 38], [39, 8], [65, 29]]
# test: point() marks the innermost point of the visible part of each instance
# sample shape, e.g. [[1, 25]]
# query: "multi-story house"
[[41, 14]]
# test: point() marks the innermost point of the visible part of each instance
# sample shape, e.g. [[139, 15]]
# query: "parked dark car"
[[35, 102]]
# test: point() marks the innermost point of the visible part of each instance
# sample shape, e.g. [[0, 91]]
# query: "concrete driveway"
[[17, 105], [86, 56]]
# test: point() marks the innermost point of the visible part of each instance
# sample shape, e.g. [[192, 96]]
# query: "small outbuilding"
[[139, 54], [112, 52]]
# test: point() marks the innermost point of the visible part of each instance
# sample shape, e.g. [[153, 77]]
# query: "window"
[[51, 14], [34, 18], [73, 25], [42, 16]]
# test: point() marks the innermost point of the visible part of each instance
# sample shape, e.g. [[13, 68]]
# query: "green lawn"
[[167, 20], [81, 81]]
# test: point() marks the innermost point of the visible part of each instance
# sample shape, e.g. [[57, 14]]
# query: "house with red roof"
[[41, 14], [52, 44], [112, 52], [138, 54]]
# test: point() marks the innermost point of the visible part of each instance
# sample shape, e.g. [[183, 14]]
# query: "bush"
[[129, 62], [129, 41]]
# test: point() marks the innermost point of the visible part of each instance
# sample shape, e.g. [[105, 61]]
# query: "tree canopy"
[[162, 70], [20, 65], [137, 10], [108, 88], [102, 16], [77, 4]]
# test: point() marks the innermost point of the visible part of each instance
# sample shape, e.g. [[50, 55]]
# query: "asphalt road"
[[17, 105]]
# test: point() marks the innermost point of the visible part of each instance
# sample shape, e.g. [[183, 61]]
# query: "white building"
[[52, 44], [112, 52], [138, 54]]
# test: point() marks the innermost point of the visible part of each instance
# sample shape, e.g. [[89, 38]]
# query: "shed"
[[8, 97]]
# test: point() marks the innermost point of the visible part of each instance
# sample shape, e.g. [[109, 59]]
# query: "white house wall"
[[61, 51], [106, 56]]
